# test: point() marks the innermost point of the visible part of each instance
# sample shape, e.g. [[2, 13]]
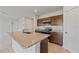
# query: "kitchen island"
[[29, 43]]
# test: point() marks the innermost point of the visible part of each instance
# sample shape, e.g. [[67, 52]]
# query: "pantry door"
[[70, 29]]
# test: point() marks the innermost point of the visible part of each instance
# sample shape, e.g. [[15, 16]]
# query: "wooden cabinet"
[[57, 20], [39, 22], [53, 20], [56, 37], [44, 46], [43, 21]]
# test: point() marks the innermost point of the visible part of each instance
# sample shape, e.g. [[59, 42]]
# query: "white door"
[[76, 40], [70, 30]]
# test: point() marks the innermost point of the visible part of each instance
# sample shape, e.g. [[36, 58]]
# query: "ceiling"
[[29, 11]]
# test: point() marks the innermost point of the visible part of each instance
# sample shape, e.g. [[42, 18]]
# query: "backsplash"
[[54, 28]]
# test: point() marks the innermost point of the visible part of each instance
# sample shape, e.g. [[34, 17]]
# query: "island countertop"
[[27, 40]]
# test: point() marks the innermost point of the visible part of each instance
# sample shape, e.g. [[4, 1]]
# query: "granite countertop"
[[48, 32], [27, 40]]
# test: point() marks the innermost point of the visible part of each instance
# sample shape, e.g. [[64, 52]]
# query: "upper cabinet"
[[57, 20], [53, 20], [43, 21]]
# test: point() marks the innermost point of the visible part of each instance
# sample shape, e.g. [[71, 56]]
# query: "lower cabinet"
[[44, 46], [56, 37]]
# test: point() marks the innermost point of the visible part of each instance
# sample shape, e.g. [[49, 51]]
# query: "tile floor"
[[53, 48]]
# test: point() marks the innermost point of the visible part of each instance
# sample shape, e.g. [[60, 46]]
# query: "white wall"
[[15, 25], [5, 27]]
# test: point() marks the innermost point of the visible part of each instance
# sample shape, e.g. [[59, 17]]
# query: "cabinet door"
[[54, 20], [44, 46], [57, 38], [60, 20], [39, 22], [57, 20], [70, 31], [44, 21]]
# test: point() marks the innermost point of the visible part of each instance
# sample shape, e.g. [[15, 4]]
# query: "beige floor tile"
[[8, 50], [53, 48]]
